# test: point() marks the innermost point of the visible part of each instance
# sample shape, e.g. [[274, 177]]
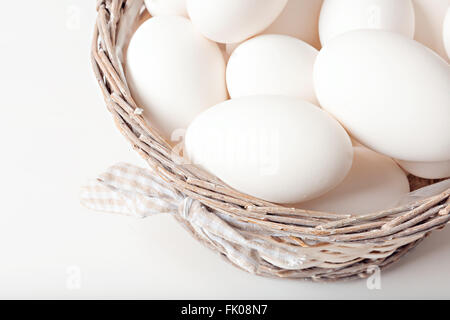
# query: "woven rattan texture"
[[262, 238]]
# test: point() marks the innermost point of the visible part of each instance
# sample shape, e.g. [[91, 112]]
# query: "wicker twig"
[[255, 235]]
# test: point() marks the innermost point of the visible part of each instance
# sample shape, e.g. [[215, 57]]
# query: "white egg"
[[166, 7], [174, 72], [281, 149], [340, 16], [272, 64], [374, 183], [298, 19], [230, 21], [427, 170], [393, 98], [446, 32], [430, 16]]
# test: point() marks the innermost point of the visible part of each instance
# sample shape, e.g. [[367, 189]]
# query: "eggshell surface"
[[393, 98], [277, 148], [374, 183], [166, 7], [427, 170], [299, 19], [430, 15], [446, 32], [230, 21], [272, 64], [340, 16], [174, 72]]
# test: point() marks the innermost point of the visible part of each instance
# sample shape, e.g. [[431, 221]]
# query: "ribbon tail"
[[129, 190]]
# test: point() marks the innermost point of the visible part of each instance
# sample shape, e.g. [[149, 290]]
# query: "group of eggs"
[[273, 117]]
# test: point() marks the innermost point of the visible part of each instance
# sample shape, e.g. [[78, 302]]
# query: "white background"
[[56, 134]]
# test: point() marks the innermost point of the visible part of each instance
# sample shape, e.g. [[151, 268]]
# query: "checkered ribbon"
[[130, 190], [133, 191]]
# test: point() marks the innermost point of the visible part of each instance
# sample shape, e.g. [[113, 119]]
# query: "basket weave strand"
[[255, 235]]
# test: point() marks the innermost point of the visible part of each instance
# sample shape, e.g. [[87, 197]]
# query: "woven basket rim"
[[406, 224]]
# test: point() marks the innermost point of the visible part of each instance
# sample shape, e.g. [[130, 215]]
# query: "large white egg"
[[174, 72], [340, 16], [166, 7], [277, 148], [272, 64], [430, 15], [427, 170], [374, 183], [391, 93], [446, 32], [230, 21]]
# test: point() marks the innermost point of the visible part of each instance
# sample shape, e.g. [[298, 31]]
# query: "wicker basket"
[[255, 235]]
